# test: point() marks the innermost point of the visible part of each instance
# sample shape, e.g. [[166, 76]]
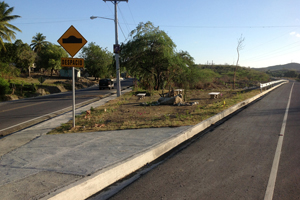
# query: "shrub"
[[4, 86]]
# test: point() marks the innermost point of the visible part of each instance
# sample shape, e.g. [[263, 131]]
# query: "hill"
[[289, 66]]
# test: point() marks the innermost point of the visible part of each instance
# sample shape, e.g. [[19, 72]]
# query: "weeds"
[[125, 112]]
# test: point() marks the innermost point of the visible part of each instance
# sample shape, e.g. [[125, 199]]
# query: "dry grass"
[[125, 112]]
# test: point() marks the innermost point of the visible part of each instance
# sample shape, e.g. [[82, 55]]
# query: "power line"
[[220, 27], [276, 56], [271, 52], [124, 19], [122, 31], [131, 13], [49, 22], [266, 42]]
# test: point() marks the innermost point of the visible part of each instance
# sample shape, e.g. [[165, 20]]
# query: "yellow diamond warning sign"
[[72, 41]]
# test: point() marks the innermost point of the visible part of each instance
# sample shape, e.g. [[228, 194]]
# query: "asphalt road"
[[234, 160], [16, 112]]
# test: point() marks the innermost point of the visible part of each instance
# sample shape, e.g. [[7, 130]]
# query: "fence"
[[271, 84]]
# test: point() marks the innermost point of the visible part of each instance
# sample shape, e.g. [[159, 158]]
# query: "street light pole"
[[116, 52], [117, 44]]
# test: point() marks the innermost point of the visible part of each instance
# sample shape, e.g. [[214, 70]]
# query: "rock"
[[195, 103], [41, 92], [167, 101], [178, 100], [62, 88], [170, 100], [10, 97]]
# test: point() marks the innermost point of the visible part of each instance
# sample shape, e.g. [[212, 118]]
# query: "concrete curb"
[[90, 185]]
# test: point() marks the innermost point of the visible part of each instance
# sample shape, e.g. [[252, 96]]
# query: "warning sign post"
[[72, 41]]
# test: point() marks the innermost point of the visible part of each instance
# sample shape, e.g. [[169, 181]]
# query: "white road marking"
[[272, 179]]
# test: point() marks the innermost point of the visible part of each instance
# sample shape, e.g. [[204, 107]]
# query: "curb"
[[90, 185]]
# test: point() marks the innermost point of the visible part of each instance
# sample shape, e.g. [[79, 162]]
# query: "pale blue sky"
[[207, 29]]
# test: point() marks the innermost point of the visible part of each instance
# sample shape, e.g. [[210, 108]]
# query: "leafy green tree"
[[8, 70], [180, 68], [7, 31], [4, 86], [25, 57], [8, 53], [98, 61], [150, 55], [50, 57], [38, 42]]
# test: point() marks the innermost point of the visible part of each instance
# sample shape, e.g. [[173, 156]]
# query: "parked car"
[[106, 83]]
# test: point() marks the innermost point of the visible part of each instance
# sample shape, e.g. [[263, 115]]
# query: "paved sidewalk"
[[34, 165]]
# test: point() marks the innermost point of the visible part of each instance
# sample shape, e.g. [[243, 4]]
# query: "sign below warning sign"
[[72, 62]]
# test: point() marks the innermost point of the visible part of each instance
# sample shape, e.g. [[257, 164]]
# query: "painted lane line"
[[58, 112], [272, 179], [26, 106]]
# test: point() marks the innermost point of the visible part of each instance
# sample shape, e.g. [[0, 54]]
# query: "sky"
[[208, 29]]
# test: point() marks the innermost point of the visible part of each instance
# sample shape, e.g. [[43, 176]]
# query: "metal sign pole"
[[72, 41], [73, 82]]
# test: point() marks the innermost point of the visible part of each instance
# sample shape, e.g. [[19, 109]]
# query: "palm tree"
[[38, 41], [7, 30]]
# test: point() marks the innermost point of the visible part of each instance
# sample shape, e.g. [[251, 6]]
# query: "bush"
[[7, 70], [4, 86]]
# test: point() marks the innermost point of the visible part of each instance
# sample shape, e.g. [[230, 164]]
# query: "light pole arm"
[[94, 17]]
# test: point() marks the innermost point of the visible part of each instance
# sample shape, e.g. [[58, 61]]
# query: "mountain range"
[[289, 66]]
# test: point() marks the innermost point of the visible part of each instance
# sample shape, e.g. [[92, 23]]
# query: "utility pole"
[[116, 46]]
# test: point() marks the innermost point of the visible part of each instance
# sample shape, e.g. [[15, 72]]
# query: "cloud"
[[295, 34]]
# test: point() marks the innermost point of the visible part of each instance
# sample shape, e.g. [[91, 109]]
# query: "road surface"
[[235, 160], [20, 111]]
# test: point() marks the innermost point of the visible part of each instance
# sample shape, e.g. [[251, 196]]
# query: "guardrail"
[[271, 84]]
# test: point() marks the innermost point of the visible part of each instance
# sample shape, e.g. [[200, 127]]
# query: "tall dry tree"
[[240, 46]]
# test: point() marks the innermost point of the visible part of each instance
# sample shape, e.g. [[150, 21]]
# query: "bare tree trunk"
[[239, 47], [29, 75]]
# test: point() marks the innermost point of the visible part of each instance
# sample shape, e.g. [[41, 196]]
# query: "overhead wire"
[[271, 53], [266, 42], [124, 19], [49, 22], [272, 56], [131, 13]]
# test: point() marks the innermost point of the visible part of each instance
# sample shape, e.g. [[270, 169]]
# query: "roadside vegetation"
[[128, 112]]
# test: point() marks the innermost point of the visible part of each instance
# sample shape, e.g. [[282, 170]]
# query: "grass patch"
[[125, 112]]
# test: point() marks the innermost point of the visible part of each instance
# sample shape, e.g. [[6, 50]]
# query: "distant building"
[[67, 73]]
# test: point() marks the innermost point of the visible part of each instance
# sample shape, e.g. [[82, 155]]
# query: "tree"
[[50, 57], [38, 42], [239, 47], [180, 69], [98, 61], [25, 57], [150, 55], [8, 53], [6, 29]]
